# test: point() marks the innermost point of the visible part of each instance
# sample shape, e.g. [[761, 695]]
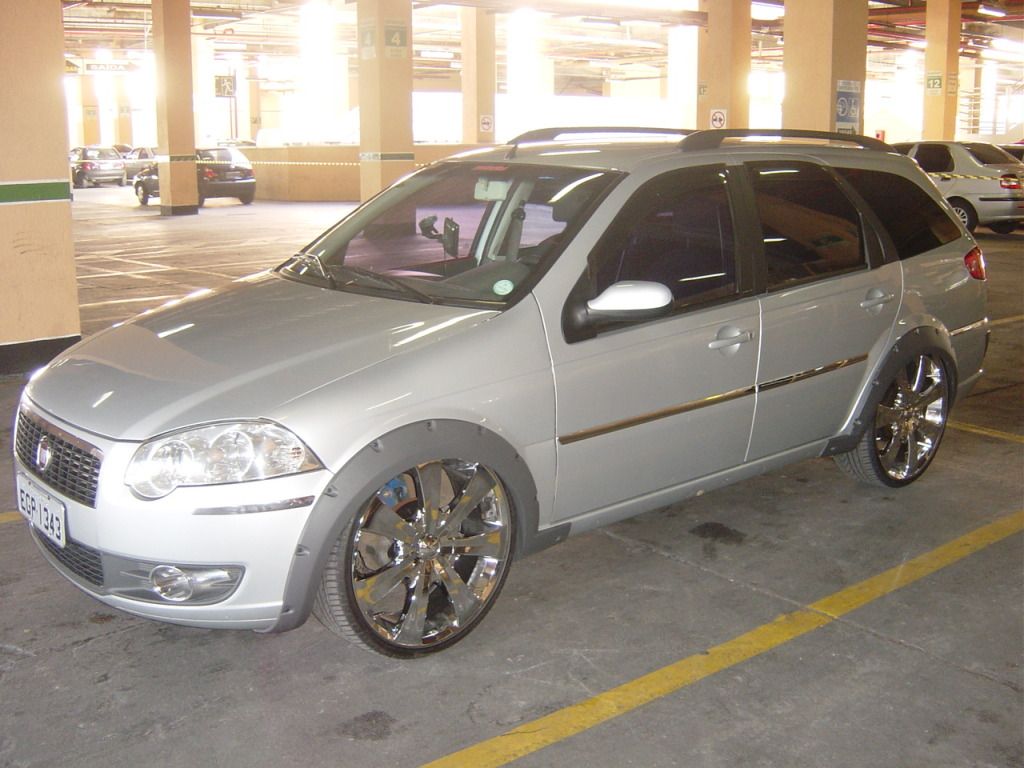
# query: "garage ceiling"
[[589, 41]]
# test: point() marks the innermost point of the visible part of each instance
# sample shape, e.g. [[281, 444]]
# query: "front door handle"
[[875, 299], [730, 336]]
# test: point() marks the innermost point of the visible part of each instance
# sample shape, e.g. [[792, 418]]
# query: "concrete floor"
[[929, 675]]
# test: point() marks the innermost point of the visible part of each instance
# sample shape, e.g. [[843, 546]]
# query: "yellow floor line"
[[10, 517], [1005, 321], [558, 726], [986, 432]]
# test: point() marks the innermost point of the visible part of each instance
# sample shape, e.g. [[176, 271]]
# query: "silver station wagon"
[[503, 349]]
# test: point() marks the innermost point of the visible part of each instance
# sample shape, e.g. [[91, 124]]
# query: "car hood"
[[245, 352]]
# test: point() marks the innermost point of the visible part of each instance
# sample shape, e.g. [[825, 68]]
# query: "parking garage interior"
[[795, 619]]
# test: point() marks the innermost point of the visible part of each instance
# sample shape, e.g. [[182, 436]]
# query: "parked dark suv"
[[220, 171]]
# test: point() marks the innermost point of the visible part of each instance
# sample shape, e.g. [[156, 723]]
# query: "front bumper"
[[254, 527]]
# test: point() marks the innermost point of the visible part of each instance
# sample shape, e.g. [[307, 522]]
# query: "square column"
[[942, 68], [825, 61], [38, 293], [175, 128], [479, 76], [723, 65], [385, 93]]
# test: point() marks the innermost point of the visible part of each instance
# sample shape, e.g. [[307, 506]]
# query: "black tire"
[[400, 580], [141, 193], [1002, 227], [78, 180], [906, 428], [965, 212], [246, 199]]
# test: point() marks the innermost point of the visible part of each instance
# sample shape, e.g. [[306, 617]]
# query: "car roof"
[[626, 149]]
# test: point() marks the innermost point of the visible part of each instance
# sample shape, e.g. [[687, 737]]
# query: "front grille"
[[65, 463], [83, 561]]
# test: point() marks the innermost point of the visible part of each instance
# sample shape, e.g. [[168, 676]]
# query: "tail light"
[[87, 166], [975, 263], [1009, 181], [209, 174]]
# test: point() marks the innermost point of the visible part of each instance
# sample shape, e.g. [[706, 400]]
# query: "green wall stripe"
[[35, 191]]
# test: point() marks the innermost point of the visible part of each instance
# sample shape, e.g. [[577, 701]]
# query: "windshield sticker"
[[503, 287]]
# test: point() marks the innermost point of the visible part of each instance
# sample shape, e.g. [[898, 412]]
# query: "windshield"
[[462, 233], [989, 154]]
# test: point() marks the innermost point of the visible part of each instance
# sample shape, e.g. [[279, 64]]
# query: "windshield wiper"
[[307, 258], [391, 282]]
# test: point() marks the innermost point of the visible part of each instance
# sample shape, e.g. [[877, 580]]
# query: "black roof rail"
[[712, 139], [553, 134]]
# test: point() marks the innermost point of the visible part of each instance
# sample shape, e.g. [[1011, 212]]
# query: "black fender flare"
[[383, 459], [917, 341]]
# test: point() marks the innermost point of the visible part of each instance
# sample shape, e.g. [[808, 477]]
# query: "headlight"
[[215, 454]]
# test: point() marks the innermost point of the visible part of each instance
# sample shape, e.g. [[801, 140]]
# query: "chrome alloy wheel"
[[910, 420], [428, 554]]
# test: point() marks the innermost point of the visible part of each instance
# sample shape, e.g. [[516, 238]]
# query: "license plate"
[[42, 510], [233, 175]]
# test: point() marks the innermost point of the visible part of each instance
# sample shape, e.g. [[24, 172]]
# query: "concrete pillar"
[[123, 126], [172, 41], [531, 73], [941, 68], [90, 110], [38, 292], [385, 93], [255, 116], [723, 65], [479, 76], [825, 61]]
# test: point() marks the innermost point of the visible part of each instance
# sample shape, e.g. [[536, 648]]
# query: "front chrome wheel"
[[423, 561], [908, 426]]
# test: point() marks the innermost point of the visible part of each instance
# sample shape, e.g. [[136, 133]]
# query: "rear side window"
[[934, 158], [810, 228], [915, 222], [988, 154]]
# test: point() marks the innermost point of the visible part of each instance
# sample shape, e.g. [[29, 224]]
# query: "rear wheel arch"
[[852, 452], [380, 461]]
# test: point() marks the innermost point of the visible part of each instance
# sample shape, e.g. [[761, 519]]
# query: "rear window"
[[988, 154], [101, 153], [915, 222]]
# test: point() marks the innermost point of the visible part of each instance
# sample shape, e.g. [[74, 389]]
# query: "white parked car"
[[982, 182], [502, 350]]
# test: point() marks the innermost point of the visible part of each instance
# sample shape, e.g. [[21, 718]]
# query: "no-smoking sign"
[[719, 118]]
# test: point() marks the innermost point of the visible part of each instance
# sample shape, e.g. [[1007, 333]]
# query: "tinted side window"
[[678, 231], [987, 154], [810, 228], [914, 220], [934, 158]]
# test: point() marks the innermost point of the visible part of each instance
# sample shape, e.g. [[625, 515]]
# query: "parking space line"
[[10, 517], [986, 432], [574, 719], [1005, 321]]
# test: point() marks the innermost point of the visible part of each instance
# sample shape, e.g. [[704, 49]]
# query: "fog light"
[[178, 585], [171, 583]]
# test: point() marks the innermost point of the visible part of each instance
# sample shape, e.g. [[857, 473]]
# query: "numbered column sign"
[[396, 40]]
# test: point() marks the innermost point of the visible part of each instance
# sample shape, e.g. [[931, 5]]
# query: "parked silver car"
[[982, 182], [501, 350]]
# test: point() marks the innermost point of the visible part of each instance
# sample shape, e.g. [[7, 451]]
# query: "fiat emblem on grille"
[[44, 452]]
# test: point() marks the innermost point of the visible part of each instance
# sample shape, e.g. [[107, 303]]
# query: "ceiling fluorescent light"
[[991, 9]]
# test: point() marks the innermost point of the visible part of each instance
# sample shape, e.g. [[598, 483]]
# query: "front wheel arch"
[[380, 461]]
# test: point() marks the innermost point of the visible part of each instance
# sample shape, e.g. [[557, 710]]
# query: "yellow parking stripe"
[[10, 517], [1006, 321], [558, 726], [986, 432]]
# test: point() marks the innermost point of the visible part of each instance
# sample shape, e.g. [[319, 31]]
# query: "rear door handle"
[[723, 341]]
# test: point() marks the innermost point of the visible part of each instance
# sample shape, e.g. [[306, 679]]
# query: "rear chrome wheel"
[[966, 213], [908, 426], [423, 560]]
